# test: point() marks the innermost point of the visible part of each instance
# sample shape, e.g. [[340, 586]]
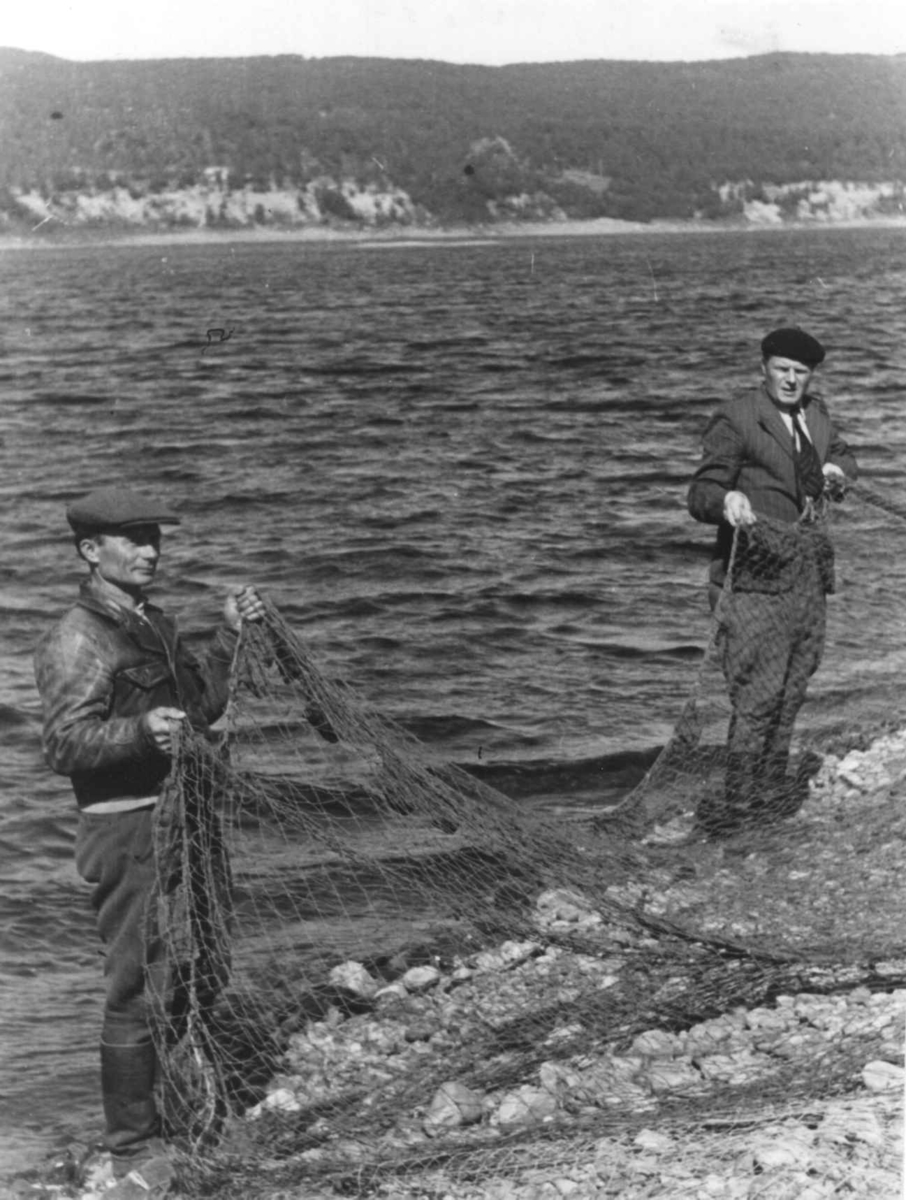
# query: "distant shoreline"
[[479, 234]]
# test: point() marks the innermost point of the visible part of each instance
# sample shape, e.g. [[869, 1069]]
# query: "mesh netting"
[[384, 969]]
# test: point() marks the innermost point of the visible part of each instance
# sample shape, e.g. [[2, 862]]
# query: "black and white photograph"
[[454, 588]]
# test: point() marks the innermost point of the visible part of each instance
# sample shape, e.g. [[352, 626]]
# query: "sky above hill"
[[461, 31]]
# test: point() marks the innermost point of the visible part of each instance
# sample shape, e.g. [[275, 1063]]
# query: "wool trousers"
[[115, 853], [770, 645], [175, 876]]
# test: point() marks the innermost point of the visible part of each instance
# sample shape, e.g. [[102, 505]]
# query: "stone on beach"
[[507, 955], [883, 1077], [419, 979], [794, 1150], [525, 1106], [352, 977], [560, 907], [453, 1105], [651, 1140], [282, 1099]]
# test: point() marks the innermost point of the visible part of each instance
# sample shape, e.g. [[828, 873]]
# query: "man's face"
[[786, 379], [128, 559]]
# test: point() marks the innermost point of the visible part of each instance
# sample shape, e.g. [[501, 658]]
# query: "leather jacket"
[[99, 670]]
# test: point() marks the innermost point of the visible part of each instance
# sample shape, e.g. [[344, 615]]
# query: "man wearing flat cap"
[[771, 461], [115, 681]]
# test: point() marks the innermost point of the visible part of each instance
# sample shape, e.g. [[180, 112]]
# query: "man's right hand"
[[738, 510], [158, 726]]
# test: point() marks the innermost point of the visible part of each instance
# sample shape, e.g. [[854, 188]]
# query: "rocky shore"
[[799, 1097], [800, 1148]]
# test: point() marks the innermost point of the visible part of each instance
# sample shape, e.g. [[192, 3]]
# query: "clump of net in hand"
[[319, 833]]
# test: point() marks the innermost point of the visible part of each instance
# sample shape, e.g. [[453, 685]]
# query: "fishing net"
[[390, 979]]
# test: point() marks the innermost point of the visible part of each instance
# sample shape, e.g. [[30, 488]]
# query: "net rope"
[[354, 926]]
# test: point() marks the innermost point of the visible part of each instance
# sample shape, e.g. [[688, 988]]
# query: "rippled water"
[[460, 470]]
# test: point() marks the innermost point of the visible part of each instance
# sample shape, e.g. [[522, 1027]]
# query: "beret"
[[109, 508], [795, 344]]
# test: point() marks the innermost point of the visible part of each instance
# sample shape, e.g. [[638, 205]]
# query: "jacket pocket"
[[143, 687], [147, 676]]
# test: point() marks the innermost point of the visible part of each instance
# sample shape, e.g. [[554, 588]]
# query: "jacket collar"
[[99, 598], [772, 422]]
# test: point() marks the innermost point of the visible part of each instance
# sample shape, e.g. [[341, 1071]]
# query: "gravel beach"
[[798, 1098]]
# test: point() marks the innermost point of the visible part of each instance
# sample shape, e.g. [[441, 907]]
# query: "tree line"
[[619, 139]]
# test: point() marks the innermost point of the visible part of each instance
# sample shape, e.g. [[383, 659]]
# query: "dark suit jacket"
[[748, 448]]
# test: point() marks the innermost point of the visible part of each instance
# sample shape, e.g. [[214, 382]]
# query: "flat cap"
[[795, 344], [110, 508]]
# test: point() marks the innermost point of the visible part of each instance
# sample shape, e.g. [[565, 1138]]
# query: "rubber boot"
[[789, 793], [130, 1111], [777, 790], [723, 816]]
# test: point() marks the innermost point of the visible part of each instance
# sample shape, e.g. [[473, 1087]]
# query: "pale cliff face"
[[817, 202], [210, 204], [327, 201]]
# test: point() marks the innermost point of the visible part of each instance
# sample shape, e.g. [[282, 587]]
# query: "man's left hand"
[[243, 604], [834, 481]]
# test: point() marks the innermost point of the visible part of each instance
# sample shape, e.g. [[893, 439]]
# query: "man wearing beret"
[[771, 460], [115, 681]]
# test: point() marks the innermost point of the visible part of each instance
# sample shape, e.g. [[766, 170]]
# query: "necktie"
[[809, 475]]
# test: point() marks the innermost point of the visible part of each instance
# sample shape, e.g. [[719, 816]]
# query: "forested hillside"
[[453, 143]]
